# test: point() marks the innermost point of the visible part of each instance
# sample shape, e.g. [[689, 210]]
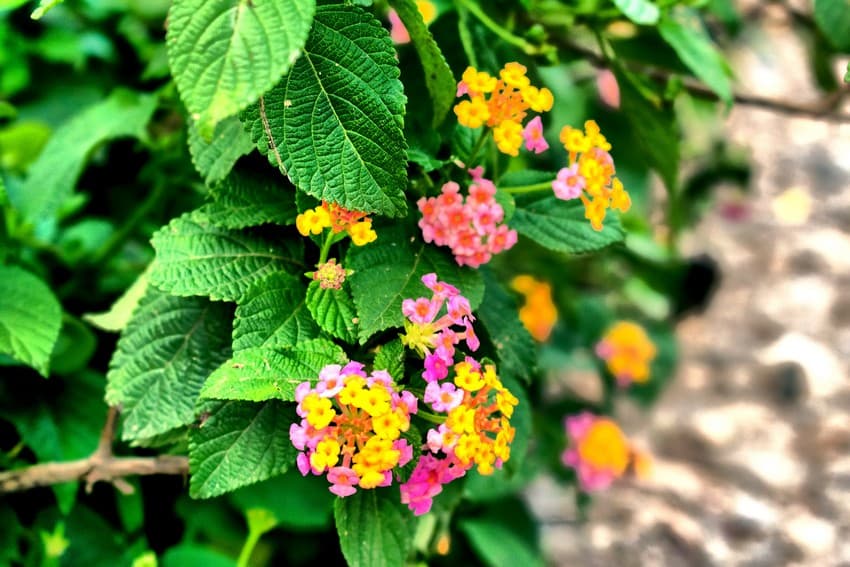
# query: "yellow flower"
[[513, 74], [478, 82], [619, 198], [472, 113], [326, 454], [428, 10], [595, 137], [605, 447], [539, 313], [508, 137], [362, 233], [320, 411], [628, 352], [574, 140], [468, 378], [539, 100], [313, 221]]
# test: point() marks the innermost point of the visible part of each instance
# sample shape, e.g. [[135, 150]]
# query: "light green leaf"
[[333, 310], [246, 199], [215, 158], [54, 174], [514, 347], [375, 529], [390, 357], [44, 6], [195, 258], [225, 53], [163, 357], [259, 374], [30, 318], [119, 314], [833, 18], [686, 34], [391, 270], [438, 75], [238, 443], [560, 225], [193, 555], [639, 11], [273, 314], [334, 124]]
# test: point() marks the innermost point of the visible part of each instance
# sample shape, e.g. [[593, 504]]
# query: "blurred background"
[[751, 440]]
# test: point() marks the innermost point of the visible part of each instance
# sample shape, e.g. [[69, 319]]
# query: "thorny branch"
[[101, 465]]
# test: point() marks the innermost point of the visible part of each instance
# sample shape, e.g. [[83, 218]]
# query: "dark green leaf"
[[215, 159], [246, 199], [334, 124], [167, 351], [504, 537], [390, 357], [833, 18], [333, 310], [514, 347], [375, 529], [238, 443], [298, 502]]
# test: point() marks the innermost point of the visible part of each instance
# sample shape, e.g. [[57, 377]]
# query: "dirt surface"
[[752, 441]]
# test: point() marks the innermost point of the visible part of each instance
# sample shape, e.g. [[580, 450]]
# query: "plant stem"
[[326, 247], [248, 548], [482, 139], [503, 33], [465, 36], [543, 185], [432, 417]]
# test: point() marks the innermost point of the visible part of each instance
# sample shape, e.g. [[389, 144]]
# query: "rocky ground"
[[752, 441]]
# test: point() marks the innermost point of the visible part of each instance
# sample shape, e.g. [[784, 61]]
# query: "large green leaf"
[[639, 11], [215, 158], [226, 53], [375, 529], [163, 357], [391, 270], [334, 124], [238, 443], [505, 536], [54, 174], [273, 314], [30, 318], [333, 310], [833, 18], [514, 347], [246, 199], [194, 257], [686, 34], [390, 357], [258, 374], [438, 75], [560, 225]]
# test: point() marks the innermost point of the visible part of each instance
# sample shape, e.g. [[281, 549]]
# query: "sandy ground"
[[752, 440]]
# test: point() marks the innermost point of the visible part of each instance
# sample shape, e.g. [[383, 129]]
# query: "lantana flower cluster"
[[351, 426], [599, 452], [628, 352], [476, 431], [538, 314], [330, 215], [471, 226], [503, 104], [590, 175]]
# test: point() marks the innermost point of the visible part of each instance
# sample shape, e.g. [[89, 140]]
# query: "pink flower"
[[598, 450], [421, 310], [343, 480], [609, 89], [436, 368], [443, 397], [398, 33], [569, 183], [533, 135]]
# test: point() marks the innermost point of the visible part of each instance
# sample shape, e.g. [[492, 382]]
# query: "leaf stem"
[[432, 417], [527, 188], [326, 247], [466, 36], [482, 139], [529, 48]]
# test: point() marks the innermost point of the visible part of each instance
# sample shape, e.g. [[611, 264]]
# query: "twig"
[[823, 109], [101, 465]]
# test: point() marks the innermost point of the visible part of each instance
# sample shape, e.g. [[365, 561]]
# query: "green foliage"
[[246, 199], [196, 258], [237, 444], [386, 275], [513, 345], [333, 310], [833, 18], [30, 318], [225, 54], [504, 538], [257, 374], [375, 530], [390, 357], [52, 177], [344, 90], [639, 11], [215, 158], [168, 349]]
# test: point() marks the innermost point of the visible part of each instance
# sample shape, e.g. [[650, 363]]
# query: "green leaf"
[[116, 319], [225, 53], [560, 225], [514, 347], [639, 11], [163, 357], [30, 318], [246, 199], [215, 158], [298, 502], [655, 129], [273, 314], [258, 374], [333, 310], [438, 75], [193, 555], [334, 124], [390, 270], [505, 537], [195, 258], [238, 443], [54, 174], [390, 357], [686, 34], [833, 18], [375, 529]]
